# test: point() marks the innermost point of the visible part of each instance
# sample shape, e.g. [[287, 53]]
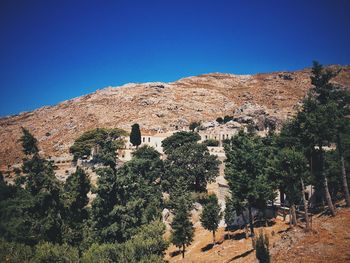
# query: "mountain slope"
[[157, 106]]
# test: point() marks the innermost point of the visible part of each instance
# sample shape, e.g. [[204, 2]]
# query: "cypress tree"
[[135, 135]]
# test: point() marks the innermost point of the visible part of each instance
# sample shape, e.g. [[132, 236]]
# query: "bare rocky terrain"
[[158, 106]]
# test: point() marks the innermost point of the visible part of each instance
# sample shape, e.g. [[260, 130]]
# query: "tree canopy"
[[179, 139], [106, 140]]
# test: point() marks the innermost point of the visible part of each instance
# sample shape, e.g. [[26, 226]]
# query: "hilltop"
[[158, 106]]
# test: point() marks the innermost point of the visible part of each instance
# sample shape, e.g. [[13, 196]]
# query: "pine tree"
[[29, 142], [211, 215], [246, 173], [182, 232], [135, 135], [33, 213], [127, 198], [103, 204], [76, 188], [316, 121]]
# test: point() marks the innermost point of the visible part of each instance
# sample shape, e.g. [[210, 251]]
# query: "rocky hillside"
[[157, 106]]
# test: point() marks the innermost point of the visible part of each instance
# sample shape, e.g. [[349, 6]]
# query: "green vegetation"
[[105, 141], [135, 135], [128, 198], [246, 173], [220, 120], [179, 139], [193, 163], [29, 143], [211, 142], [194, 125], [76, 214], [211, 215], [182, 232], [45, 220], [292, 167], [147, 245], [228, 118]]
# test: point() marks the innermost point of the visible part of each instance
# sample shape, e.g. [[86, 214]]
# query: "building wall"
[[217, 135]]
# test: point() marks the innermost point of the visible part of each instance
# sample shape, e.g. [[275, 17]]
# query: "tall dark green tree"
[[47, 207], [128, 198], [135, 135], [29, 142], [182, 232], [211, 215], [325, 93], [75, 197], [246, 174], [102, 206], [342, 127], [315, 122], [33, 213]]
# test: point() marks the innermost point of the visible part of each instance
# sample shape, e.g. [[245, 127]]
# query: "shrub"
[[211, 142], [14, 252], [194, 125], [102, 253], [220, 120], [228, 118], [47, 252]]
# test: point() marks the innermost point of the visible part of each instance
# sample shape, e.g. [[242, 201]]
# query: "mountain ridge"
[[157, 106]]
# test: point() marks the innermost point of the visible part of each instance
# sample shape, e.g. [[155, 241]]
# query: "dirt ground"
[[328, 242]]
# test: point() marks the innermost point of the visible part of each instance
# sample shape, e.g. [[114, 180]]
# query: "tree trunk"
[[251, 225], [197, 184], [265, 217], [245, 225], [326, 193], [343, 171], [294, 214], [282, 201], [214, 238], [183, 251], [305, 205]]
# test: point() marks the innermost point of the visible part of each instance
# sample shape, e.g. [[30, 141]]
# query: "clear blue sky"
[[53, 50]]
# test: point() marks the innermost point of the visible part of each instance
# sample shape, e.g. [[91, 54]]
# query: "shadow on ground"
[[241, 255]]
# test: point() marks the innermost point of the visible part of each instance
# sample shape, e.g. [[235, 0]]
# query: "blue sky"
[[55, 50]]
